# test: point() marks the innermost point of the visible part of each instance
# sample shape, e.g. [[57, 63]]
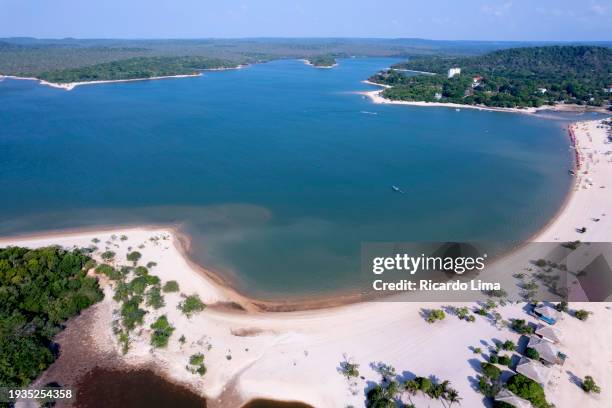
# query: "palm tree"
[[411, 386], [453, 396], [444, 386], [382, 397], [439, 390]]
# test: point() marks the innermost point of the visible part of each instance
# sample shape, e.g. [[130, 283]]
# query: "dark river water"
[[105, 388]]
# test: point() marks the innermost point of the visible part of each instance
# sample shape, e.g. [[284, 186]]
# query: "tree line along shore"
[[136, 68], [513, 78], [512, 75]]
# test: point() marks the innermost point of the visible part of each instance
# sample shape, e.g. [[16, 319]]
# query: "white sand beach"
[[71, 85], [590, 204], [376, 97], [296, 355]]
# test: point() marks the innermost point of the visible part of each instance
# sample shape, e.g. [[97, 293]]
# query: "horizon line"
[[17, 37]]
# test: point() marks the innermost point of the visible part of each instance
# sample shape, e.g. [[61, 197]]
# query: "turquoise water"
[[278, 171]]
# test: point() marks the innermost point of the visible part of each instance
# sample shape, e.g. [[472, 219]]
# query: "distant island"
[[511, 78], [322, 61]]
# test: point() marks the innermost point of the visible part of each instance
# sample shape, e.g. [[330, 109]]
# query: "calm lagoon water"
[[278, 171]]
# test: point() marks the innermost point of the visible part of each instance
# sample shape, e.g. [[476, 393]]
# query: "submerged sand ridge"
[[296, 355]]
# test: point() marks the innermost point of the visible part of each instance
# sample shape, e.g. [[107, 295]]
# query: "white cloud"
[[497, 10], [598, 9]]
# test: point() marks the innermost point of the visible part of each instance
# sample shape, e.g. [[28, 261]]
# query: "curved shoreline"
[[235, 300], [284, 356], [239, 301]]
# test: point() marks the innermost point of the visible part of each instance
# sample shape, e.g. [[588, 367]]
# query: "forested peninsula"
[[136, 68], [511, 78]]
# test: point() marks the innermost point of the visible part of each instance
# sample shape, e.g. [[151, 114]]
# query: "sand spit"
[[296, 355]]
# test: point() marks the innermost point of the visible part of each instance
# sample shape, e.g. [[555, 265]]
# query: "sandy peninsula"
[[296, 355], [287, 356], [71, 85]]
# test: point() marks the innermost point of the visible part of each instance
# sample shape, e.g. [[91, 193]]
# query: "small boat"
[[457, 110], [397, 189], [572, 172]]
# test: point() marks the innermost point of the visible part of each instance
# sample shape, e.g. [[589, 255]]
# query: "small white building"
[[454, 71], [438, 96], [542, 90]]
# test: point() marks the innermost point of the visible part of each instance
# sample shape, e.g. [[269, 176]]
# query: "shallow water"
[[278, 171]]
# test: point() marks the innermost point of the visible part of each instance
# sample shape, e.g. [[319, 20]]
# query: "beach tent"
[[534, 370], [547, 351], [510, 398], [547, 314], [549, 333]]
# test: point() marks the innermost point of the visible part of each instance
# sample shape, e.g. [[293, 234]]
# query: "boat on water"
[[397, 189]]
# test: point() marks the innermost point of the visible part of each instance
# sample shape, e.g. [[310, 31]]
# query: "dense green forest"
[[520, 77], [322, 61], [139, 67], [25, 56], [39, 290]]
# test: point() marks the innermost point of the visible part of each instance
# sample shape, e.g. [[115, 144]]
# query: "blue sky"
[[436, 19]]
